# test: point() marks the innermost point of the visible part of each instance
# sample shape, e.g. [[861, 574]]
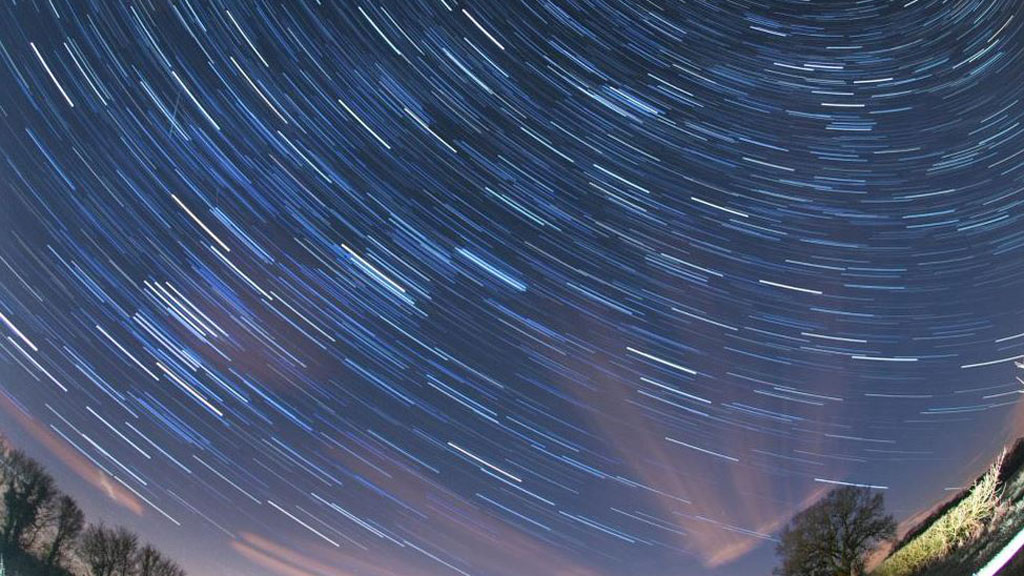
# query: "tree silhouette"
[[67, 525], [152, 563], [833, 536], [124, 546], [32, 509], [94, 550], [27, 491], [109, 551]]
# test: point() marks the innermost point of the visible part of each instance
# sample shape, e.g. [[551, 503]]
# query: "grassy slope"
[[923, 542]]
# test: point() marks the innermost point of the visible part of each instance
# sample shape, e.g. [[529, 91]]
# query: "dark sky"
[[585, 288]]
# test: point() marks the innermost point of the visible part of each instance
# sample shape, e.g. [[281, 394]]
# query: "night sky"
[[573, 287]]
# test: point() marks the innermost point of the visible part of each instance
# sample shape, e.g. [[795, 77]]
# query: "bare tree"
[[152, 563], [109, 551], [95, 551], [67, 524], [27, 490], [833, 536], [124, 546]]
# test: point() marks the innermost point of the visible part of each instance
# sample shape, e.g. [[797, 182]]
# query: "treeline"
[[43, 531]]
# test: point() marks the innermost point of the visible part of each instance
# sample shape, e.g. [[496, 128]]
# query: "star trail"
[[566, 287]]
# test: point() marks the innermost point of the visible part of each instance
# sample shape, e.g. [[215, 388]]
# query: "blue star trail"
[[498, 288]]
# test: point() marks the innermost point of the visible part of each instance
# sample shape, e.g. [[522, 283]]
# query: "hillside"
[[963, 534]]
